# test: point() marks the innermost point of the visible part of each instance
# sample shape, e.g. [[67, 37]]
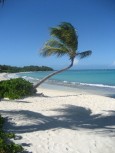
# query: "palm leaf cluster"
[[2, 1], [64, 42], [66, 33]]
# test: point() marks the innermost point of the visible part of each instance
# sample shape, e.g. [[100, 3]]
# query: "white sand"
[[62, 122], [3, 76]]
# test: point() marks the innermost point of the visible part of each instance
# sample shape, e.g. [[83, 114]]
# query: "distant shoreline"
[[16, 69]]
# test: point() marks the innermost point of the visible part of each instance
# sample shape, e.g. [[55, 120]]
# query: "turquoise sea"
[[94, 80]]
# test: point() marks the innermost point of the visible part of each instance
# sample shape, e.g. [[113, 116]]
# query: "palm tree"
[[2, 1], [64, 42]]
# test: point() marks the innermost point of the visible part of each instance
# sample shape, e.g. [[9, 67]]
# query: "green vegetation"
[[64, 42], [6, 146], [14, 69], [16, 88]]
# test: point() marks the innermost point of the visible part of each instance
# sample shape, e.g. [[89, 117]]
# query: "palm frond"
[[84, 54], [54, 47], [65, 42], [48, 51], [66, 33], [2, 1], [55, 43]]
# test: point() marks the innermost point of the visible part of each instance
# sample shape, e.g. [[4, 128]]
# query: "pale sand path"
[[62, 122]]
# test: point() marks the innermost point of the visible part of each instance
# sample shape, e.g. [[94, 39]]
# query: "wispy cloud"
[[113, 64]]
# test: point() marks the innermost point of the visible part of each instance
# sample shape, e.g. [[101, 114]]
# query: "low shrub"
[[16, 88], [6, 146]]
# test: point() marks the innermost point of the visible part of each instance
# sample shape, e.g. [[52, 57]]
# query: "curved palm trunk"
[[52, 74]]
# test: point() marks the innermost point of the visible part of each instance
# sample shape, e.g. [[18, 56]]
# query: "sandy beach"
[[61, 121]]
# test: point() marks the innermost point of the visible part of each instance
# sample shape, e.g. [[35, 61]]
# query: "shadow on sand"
[[72, 117]]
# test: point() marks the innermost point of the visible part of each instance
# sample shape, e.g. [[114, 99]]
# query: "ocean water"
[[89, 77], [94, 80]]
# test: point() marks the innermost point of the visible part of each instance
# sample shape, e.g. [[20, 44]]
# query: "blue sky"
[[24, 28]]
